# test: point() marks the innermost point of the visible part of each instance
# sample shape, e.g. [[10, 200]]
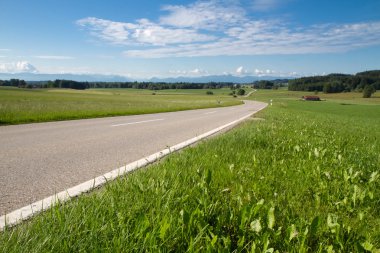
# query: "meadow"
[[40, 105], [341, 98], [303, 178]]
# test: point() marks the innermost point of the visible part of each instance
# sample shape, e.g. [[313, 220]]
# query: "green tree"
[[363, 83], [327, 88], [368, 91], [241, 92], [23, 84]]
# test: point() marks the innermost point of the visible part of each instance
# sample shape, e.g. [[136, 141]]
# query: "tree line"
[[70, 84], [335, 83], [13, 83], [273, 84]]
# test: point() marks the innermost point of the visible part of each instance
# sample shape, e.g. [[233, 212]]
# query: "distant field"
[[39, 105], [348, 97], [305, 178]]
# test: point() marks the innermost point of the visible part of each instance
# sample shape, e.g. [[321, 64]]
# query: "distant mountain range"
[[117, 78], [215, 78], [74, 77]]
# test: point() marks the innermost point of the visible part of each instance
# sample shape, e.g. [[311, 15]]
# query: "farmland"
[[345, 98], [305, 178], [41, 105]]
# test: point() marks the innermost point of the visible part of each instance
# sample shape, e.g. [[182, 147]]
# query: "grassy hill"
[[334, 83]]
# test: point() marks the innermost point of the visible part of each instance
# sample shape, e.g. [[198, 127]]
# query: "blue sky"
[[143, 39]]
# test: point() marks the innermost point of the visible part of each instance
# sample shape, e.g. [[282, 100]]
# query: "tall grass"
[[302, 180], [39, 105]]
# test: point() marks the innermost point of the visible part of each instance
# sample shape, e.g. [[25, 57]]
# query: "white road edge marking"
[[27, 212], [137, 122], [210, 112]]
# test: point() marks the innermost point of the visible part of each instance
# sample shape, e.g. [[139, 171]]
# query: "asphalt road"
[[39, 160]]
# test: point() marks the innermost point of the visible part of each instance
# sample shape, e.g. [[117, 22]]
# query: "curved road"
[[249, 94], [39, 160]]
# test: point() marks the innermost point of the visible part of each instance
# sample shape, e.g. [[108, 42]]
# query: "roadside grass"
[[40, 105], [305, 179]]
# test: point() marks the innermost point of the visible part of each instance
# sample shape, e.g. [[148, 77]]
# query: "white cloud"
[[198, 72], [263, 38], [274, 73], [192, 72], [241, 71], [142, 32], [17, 67], [215, 28], [115, 32], [266, 72], [203, 15]]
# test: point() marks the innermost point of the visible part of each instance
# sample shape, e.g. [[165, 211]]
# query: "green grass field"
[[306, 178], [342, 98], [40, 105]]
